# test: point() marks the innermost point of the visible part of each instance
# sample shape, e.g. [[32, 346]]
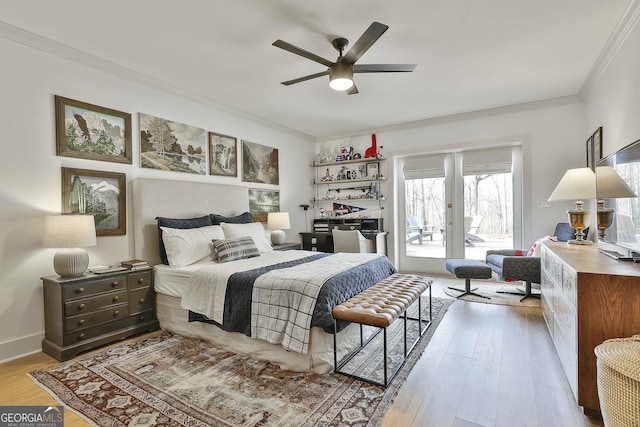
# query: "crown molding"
[[43, 44], [617, 39]]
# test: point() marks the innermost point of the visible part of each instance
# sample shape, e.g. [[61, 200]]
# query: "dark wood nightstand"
[[287, 246], [85, 312]]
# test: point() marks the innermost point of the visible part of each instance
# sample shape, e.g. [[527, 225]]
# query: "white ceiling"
[[470, 55]]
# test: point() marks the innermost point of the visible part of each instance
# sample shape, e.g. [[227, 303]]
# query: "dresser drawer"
[[141, 279], [569, 286], [141, 300], [554, 266], [566, 318], [86, 305], [92, 319], [83, 335], [84, 289]]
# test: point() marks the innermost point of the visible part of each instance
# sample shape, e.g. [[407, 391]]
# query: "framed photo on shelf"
[[372, 170], [102, 194], [223, 152], [88, 131], [590, 162]]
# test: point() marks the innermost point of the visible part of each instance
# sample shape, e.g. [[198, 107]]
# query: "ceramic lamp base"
[[277, 237], [71, 262]]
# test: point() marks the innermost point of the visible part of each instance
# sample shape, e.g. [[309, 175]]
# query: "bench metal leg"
[[467, 290]]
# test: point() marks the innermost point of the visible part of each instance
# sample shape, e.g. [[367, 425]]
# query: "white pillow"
[[255, 230], [191, 245]]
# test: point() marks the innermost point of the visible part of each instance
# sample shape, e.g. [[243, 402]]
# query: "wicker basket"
[[618, 363]]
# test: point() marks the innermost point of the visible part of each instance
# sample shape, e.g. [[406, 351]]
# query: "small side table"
[[287, 246]]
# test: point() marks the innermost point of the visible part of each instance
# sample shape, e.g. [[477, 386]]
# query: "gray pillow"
[[225, 250], [180, 223], [243, 218]]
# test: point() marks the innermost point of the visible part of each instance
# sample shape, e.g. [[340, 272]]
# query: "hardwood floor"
[[486, 365]]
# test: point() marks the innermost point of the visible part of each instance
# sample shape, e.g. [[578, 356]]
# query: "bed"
[[245, 304]]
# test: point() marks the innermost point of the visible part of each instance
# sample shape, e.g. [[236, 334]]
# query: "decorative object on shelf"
[[372, 152], [372, 170], [340, 209], [223, 152], [260, 163], [163, 144], [276, 222], [88, 131], [261, 202], [72, 233], [102, 194], [577, 184], [609, 185]]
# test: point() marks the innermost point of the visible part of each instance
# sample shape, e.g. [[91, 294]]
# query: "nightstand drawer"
[[105, 328], [85, 289], [140, 279], [87, 305], [140, 300], [91, 319]]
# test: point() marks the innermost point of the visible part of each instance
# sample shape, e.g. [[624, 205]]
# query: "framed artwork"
[[223, 155], [88, 131], [102, 194], [597, 144], [172, 146], [259, 163], [590, 162], [261, 202]]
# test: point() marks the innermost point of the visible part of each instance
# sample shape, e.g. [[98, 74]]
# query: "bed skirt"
[[319, 358]]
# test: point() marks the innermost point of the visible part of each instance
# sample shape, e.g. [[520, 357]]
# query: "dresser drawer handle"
[[141, 318], [141, 301], [81, 322], [114, 284], [116, 298], [79, 290], [81, 336], [116, 313], [81, 306], [141, 280]]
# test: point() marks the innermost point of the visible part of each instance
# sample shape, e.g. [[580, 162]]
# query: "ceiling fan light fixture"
[[340, 76]]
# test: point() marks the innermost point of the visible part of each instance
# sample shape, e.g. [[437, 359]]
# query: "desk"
[[323, 242]]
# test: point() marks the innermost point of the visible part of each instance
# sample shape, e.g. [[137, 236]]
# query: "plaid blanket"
[[283, 301]]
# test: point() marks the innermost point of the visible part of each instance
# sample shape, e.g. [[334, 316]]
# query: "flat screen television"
[[625, 231]]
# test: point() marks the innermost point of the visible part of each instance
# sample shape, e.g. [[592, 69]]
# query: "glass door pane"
[[425, 221]]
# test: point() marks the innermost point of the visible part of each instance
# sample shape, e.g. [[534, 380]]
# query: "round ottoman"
[[618, 362]]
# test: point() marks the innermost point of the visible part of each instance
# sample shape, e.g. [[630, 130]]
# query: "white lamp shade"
[[609, 185], [278, 221], [576, 184], [70, 232]]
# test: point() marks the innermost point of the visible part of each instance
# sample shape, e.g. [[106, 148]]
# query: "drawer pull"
[[141, 280], [141, 318], [141, 301], [114, 284], [116, 313], [116, 298], [79, 290], [81, 306], [81, 322], [81, 336]]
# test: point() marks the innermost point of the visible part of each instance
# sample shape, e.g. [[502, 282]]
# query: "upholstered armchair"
[[351, 241], [514, 264]]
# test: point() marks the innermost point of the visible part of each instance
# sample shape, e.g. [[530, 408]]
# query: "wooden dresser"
[[587, 298], [85, 312]]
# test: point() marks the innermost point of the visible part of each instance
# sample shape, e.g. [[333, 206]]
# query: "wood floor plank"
[[517, 405]]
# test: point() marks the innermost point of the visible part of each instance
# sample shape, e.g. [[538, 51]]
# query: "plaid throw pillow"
[[233, 249]]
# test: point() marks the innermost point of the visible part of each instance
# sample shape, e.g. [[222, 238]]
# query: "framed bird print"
[[88, 131]]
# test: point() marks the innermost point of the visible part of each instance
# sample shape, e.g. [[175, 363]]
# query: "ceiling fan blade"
[[353, 90], [366, 40], [299, 51], [305, 78], [384, 68]]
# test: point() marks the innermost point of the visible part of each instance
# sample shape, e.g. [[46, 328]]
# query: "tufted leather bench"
[[379, 306]]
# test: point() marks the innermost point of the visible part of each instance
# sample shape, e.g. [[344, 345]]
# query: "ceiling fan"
[[341, 71]]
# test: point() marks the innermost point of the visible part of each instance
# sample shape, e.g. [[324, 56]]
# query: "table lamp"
[[577, 184], [609, 185], [71, 232], [278, 221]]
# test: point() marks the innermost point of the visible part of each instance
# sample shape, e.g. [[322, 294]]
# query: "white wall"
[[30, 181], [552, 135]]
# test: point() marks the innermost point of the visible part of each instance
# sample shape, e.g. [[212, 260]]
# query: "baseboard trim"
[[21, 347]]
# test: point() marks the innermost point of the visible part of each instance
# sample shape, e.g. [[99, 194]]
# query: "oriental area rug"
[[169, 380]]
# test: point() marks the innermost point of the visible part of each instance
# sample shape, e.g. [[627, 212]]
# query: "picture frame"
[[223, 155], [372, 170], [259, 163], [89, 131], [172, 146], [102, 194], [597, 144], [590, 162], [261, 202]]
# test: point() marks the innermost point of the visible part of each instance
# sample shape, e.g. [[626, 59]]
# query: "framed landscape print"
[[102, 194], [597, 144], [261, 202], [590, 162], [223, 154], [171, 146], [92, 132], [259, 163]]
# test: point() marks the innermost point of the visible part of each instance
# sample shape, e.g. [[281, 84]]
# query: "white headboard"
[[178, 199]]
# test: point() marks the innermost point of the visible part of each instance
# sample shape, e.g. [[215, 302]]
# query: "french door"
[[458, 205]]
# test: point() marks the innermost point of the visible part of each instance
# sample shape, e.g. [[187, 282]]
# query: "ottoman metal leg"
[[467, 290]]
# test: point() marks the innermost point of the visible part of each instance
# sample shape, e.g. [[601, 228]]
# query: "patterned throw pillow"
[[233, 249]]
